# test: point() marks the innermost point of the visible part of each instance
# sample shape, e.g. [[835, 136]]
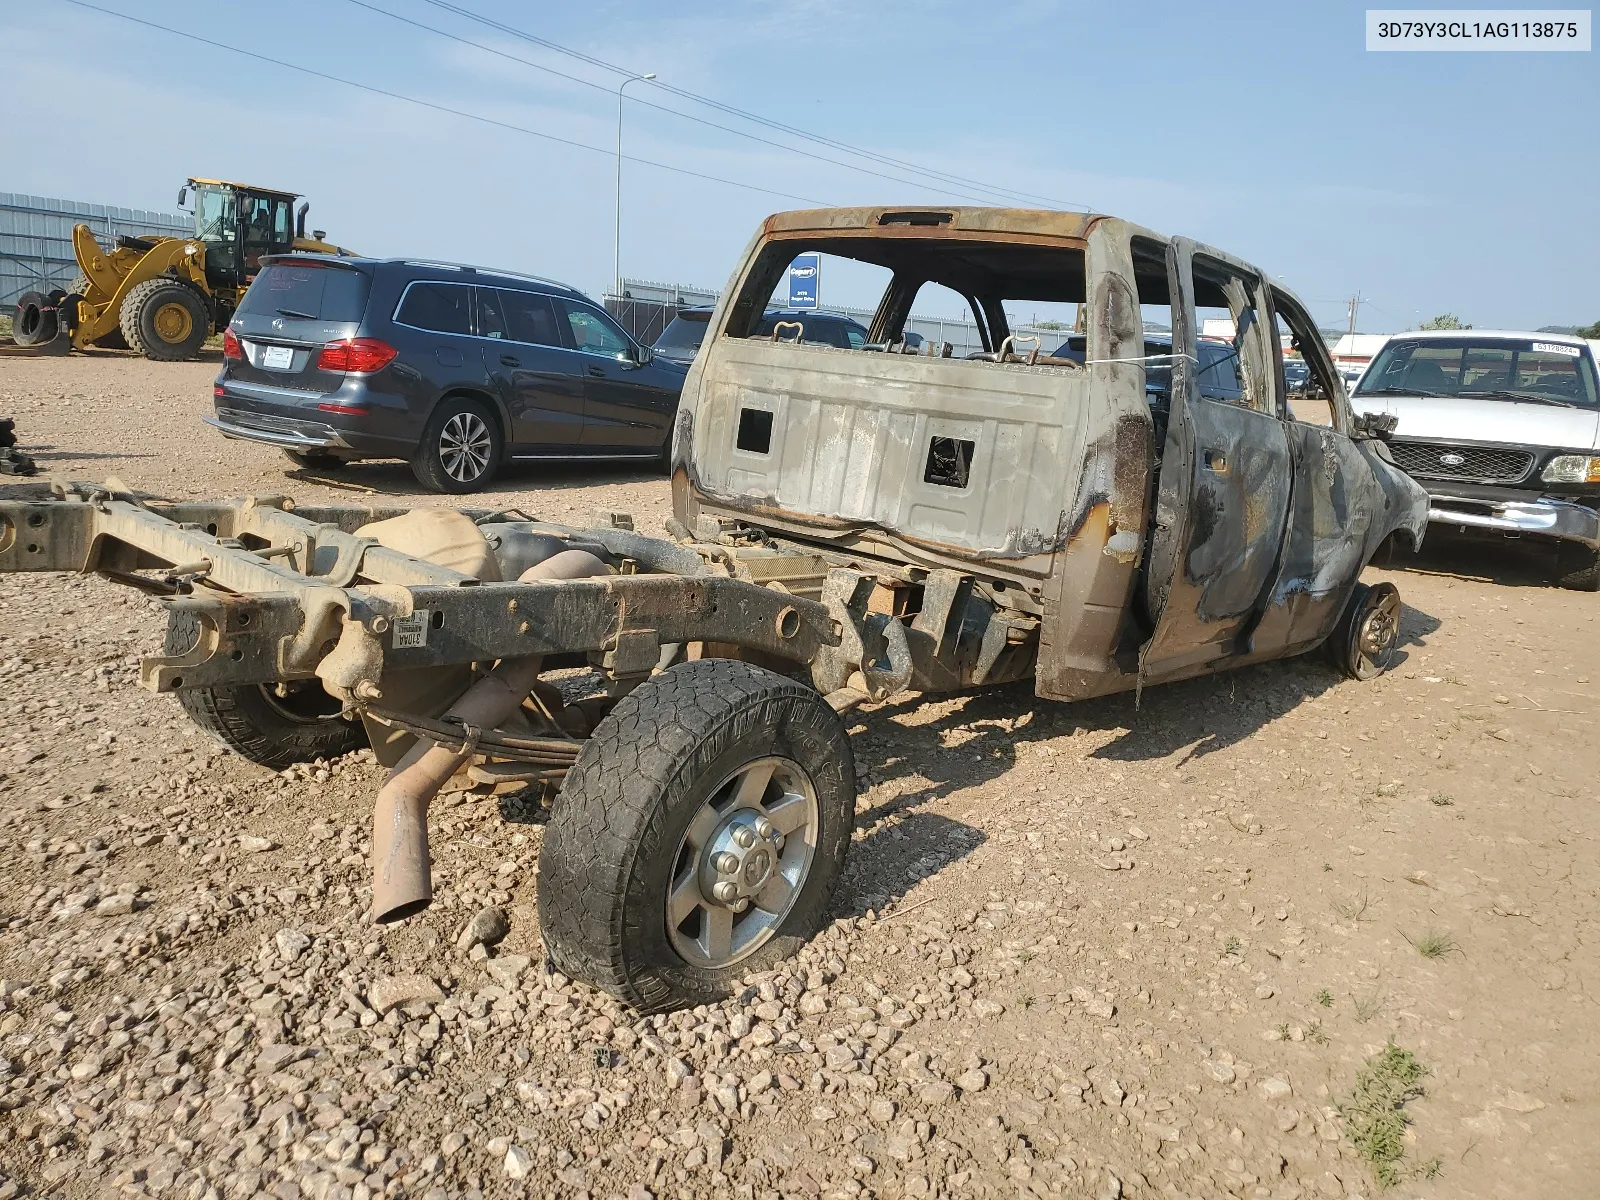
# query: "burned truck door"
[[1337, 501], [1223, 490]]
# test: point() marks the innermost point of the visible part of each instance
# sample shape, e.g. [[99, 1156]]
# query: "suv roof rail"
[[469, 269]]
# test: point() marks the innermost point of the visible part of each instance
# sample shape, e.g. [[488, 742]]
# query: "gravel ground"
[[1095, 950]]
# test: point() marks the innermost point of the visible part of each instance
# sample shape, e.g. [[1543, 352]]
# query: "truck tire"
[[110, 341], [460, 448], [1363, 643], [33, 323], [1578, 567], [699, 836], [256, 723], [165, 319]]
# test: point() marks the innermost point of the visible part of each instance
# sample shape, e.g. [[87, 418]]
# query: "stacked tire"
[[35, 320]]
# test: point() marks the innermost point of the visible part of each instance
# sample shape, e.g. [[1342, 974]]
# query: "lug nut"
[[726, 863], [724, 892], [741, 906], [744, 836], [764, 827], [778, 842]]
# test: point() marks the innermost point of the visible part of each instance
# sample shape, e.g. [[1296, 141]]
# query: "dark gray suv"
[[455, 369]]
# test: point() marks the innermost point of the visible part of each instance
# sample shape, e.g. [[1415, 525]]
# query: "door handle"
[[510, 360], [598, 372], [1216, 461]]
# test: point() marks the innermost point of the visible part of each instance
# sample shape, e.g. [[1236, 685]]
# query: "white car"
[[1503, 430]]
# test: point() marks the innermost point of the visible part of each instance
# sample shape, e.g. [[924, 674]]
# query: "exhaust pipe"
[[402, 883], [300, 221]]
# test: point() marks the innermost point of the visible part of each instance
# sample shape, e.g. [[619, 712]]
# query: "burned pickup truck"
[[850, 523]]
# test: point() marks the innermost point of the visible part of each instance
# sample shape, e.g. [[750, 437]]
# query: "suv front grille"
[[1465, 464]]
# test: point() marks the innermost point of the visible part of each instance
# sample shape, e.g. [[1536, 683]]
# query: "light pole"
[[616, 241]]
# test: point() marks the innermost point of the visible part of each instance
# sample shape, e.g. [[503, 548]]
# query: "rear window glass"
[[313, 293], [439, 307], [684, 335]]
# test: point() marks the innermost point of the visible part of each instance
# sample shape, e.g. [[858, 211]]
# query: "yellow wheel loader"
[[163, 296]]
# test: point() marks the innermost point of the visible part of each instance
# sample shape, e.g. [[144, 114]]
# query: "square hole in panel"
[[949, 462], [755, 430]]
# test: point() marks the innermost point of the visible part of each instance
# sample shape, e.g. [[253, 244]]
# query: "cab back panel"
[[964, 455]]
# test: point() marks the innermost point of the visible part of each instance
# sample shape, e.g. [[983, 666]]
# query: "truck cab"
[[1092, 520]]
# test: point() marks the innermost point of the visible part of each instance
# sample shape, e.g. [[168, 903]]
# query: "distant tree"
[[1444, 321], [1048, 325], [1590, 331]]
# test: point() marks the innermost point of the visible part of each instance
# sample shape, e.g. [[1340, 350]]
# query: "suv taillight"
[[230, 345], [356, 355]]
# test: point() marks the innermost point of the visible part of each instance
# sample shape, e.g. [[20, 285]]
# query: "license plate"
[[278, 358]]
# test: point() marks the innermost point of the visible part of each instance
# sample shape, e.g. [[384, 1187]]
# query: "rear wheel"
[[34, 321], [699, 836], [275, 725], [460, 448], [1578, 567], [1364, 643], [165, 319]]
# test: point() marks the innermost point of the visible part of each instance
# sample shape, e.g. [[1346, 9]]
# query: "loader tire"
[[664, 781], [34, 321], [112, 340], [256, 723], [165, 319]]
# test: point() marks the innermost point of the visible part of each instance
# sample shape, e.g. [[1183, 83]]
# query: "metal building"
[[36, 238]]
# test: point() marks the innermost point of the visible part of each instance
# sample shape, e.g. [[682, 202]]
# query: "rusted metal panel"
[[1089, 590], [855, 450]]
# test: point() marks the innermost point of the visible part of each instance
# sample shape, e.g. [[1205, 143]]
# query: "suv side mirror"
[[637, 356], [1375, 425]]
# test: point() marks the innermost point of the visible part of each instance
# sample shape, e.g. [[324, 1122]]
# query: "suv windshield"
[[681, 339], [308, 291], [1493, 368]]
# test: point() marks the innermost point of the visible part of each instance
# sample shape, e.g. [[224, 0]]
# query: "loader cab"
[[239, 225]]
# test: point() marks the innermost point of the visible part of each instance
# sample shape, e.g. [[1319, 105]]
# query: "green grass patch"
[[1436, 943], [1374, 1112]]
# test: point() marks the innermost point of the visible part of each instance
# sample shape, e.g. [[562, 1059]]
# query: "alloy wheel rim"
[[464, 447], [742, 863]]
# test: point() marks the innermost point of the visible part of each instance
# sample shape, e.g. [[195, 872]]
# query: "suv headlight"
[[1572, 468]]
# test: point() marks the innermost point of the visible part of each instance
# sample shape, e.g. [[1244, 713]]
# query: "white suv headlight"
[[1572, 468]]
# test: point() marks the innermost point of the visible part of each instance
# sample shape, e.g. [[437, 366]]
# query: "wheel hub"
[[740, 860], [173, 322], [1378, 633], [742, 863]]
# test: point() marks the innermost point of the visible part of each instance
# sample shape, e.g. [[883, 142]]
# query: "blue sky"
[[1428, 182]]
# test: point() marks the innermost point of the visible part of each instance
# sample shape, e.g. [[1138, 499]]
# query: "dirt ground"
[[1095, 950]]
